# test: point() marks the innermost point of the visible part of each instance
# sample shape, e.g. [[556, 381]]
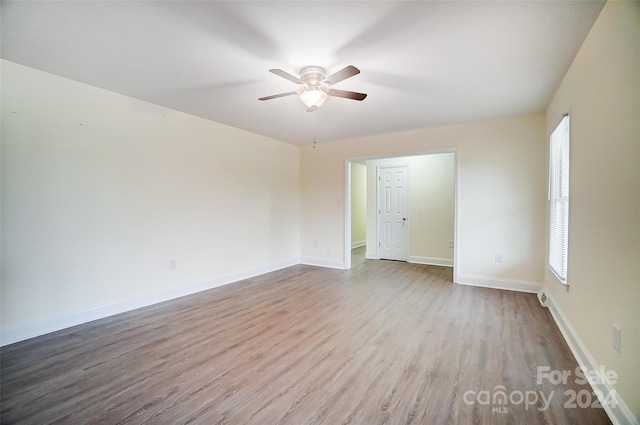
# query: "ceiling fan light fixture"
[[313, 98]]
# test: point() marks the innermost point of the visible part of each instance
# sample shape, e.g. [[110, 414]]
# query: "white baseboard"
[[18, 333], [321, 262], [432, 261], [358, 244], [371, 256], [499, 283], [620, 415]]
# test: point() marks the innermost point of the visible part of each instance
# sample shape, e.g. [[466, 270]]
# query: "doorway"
[[431, 215]]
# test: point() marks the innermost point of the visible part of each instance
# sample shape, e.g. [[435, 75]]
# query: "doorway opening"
[[379, 227]]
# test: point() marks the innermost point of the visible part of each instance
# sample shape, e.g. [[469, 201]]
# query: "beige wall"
[[358, 203], [602, 93], [501, 198], [100, 191], [431, 206]]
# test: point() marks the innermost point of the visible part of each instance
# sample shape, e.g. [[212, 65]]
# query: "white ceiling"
[[423, 64]]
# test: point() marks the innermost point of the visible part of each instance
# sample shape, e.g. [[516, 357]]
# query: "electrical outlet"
[[450, 244], [498, 257], [616, 338], [172, 264]]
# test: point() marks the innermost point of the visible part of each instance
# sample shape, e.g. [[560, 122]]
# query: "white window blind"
[[559, 199]]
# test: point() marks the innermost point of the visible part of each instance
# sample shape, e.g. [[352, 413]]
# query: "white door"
[[394, 206]]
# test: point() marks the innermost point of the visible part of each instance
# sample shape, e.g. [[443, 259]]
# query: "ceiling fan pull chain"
[[314, 130]]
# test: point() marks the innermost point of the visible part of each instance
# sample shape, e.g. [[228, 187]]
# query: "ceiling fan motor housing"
[[313, 76]]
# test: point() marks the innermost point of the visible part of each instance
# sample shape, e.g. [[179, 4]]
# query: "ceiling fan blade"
[[286, 75], [346, 94], [275, 96], [343, 74]]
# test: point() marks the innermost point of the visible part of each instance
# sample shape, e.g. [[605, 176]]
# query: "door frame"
[[378, 169], [347, 197]]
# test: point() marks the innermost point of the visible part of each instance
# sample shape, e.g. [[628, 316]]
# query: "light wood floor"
[[382, 343]]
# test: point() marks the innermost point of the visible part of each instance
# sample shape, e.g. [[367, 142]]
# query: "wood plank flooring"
[[383, 343]]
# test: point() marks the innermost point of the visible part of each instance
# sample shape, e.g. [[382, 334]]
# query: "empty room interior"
[[320, 212]]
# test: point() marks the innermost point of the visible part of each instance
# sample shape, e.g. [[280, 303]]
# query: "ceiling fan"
[[315, 87]]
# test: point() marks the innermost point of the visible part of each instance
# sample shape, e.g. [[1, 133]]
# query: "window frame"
[[558, 198]]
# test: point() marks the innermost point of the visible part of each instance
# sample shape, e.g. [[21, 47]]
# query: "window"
[[559, 199]]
